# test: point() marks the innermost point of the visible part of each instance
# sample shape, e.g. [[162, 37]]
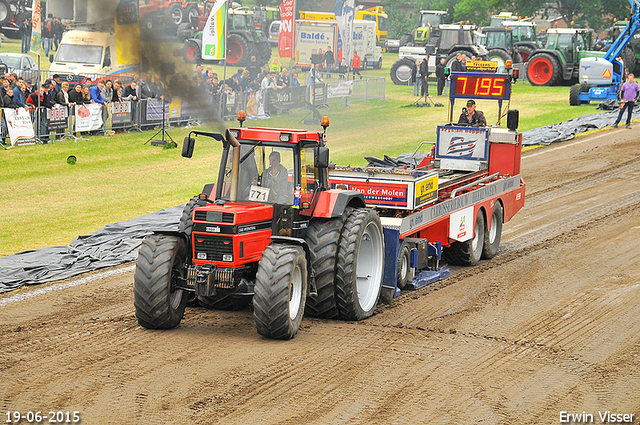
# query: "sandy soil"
[[549, 325]]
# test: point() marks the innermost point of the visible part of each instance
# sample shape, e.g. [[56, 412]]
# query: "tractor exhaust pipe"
[[235, 166]]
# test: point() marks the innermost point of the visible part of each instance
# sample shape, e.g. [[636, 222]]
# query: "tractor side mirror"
[[322, 157], [187, 147]]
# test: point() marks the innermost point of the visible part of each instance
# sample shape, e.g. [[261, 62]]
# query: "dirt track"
[[549, 325]]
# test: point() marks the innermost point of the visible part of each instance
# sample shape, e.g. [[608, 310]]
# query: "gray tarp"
[[567, 130], [114, 244]]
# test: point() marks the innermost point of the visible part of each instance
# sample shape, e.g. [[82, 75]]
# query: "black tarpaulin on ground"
[[567, 130], [114, 244]]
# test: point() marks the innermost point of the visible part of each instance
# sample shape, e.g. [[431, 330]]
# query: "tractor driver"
[[276, 179], [471, 116]]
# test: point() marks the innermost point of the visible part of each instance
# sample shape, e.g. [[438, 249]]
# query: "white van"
[[274, 32], [88, 53]]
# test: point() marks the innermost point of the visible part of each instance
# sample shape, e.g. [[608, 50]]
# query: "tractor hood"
[[233, 214]]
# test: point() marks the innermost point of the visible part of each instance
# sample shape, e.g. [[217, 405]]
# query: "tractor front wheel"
[[401, 71], [360, 265], [280, 292], [160, 263]]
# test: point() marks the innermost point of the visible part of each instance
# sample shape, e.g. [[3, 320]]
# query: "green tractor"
[[499, 42], [244, 38], [427, 30], [558, 62]]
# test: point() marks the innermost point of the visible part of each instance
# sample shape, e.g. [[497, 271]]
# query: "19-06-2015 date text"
[[40, 417]]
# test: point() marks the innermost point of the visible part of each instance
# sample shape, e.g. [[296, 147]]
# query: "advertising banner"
[[121, 113], [57, 119], [89, 117], [285, 99], [213, 35], [36, 28], [339, 89], [462, 142], [380, 194], [19, 126], [344, 11], [285, 37], [154, 109]]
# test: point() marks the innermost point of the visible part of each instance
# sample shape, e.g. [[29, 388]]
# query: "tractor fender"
[[333, 203], [171, 232]]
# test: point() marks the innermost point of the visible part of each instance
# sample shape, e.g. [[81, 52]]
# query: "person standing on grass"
[[356, 64], [629, 91]]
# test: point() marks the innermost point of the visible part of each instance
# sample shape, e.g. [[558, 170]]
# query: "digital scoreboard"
[[480, 86]]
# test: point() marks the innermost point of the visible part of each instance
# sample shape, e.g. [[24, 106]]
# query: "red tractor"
[[272, 231], [158, 14]]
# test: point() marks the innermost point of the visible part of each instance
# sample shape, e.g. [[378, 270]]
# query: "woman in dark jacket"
[[75, 96]]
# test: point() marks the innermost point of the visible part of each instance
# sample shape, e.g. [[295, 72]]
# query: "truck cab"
[[89, 53]]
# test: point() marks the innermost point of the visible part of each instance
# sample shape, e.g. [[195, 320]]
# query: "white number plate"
[[259, 194]]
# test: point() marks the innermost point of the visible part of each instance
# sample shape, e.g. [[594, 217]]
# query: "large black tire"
[[378, 64], [543, 70], [492, 237], [403, 264], [360, 266], [192, 52], [452, 56], [322, 237], [501, 57], [573, 95], [406, 40], [629, 59], [264, 53], [280, 292], [525, 52], [517, 57], [239, 50], [468, 253], [186, 219], [401, 71], [190, 11], [5, 13], [160, 260], [173, 16], [183, 32]]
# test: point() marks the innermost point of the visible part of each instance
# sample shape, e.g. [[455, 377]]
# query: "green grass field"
[[47, 202]]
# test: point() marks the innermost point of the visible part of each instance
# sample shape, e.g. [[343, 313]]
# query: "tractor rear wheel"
[[239, 50], [468, 253], [543, 70], [173, 15], [264, 53], [401, 71], [191, 52], [191, 11], [629, 59], [492, 236], [360, 265], [406, 40], [5, 12], [525, 52], [501, 57], [160, 261], [280, 292], [322, 237]]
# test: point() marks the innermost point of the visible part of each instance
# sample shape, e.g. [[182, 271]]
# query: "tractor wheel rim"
[[541, 71], [369, 267], [234, 52], [500, 61], [403, 72], [295, 293], [191, 53]]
